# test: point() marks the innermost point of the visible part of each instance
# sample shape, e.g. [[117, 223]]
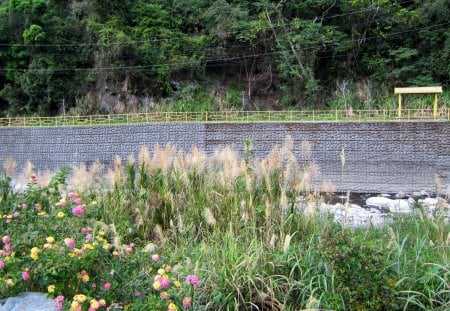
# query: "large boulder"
[[28, 301]]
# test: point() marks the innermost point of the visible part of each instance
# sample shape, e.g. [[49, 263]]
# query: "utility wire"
[[224, 59], [317, 18]]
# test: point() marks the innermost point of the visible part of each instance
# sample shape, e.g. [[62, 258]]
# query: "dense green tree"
[[94, 54]]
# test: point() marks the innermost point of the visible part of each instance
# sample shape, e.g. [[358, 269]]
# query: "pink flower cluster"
[[59, 302], [163, 281], [7, 248], [25, 275], [192, 279], [78, 210], [187, 302]]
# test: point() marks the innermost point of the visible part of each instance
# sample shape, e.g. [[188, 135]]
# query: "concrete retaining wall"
[[379, 157]]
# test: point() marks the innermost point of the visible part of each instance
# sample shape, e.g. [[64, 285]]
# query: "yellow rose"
[[51, 288]]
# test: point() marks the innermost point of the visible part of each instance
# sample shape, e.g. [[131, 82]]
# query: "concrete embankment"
[[379, 157]]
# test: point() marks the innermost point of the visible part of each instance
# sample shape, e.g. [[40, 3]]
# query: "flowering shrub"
[[52, 243]]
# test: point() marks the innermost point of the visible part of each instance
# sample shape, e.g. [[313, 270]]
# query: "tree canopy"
[[97, 54]]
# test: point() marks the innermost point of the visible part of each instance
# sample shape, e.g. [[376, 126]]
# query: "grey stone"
[[424, 193], [411, 201], [416, 194], [400, 206], [400, 195], [380, 202], [28, 301], [429, 201]]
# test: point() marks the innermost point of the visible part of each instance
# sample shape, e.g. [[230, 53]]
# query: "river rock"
[[380, 202], [429, 201], [400, 206], [400, 195], [415, 194], [28, 301], [353, 215], [411, 201]]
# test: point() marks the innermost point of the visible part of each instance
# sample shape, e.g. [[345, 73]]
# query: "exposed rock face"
[[28, 301]]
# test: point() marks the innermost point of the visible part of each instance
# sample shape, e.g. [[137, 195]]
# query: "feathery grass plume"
[[313, 303], [347, 203], [225, 161], [310, 209], [159, 235], [283, 203], [439, 184], [29, 170], [291, 172], [197, 160], [163, 157], [244, 213], [144, 157], [9, 166], [209, 217], [393, 238], [288, 145], [327, 187], [273, 241], [112, 178], [273, 160], [342, 156], [138, 218], [117, 163], [287, 243], [81, 179], [44, 178], [268, 213], [447, 242], [180, 223], [24, 176], [305, 149], [130, 159]]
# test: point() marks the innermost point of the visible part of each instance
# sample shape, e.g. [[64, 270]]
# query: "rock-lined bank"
[[378, 210]]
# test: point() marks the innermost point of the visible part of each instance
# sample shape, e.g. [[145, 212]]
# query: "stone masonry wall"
[[379, 157]]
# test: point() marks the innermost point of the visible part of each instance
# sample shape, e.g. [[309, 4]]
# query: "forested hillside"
[[109, 56]]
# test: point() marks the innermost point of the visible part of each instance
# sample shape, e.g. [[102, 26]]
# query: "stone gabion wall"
[[379, 157]]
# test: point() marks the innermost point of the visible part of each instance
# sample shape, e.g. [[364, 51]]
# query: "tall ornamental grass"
[[238, 224]]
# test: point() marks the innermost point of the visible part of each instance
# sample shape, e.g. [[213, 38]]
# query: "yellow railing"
[[381, 115]]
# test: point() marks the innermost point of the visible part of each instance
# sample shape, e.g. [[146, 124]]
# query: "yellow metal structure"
[[378, 115], [418, 90]]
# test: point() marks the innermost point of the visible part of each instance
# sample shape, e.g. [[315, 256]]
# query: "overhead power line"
[[317, 18], [224, 59]]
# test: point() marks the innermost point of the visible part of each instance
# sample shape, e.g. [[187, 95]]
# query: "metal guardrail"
[[234, 116]]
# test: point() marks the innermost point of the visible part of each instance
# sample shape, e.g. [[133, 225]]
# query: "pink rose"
[[6, 239]]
